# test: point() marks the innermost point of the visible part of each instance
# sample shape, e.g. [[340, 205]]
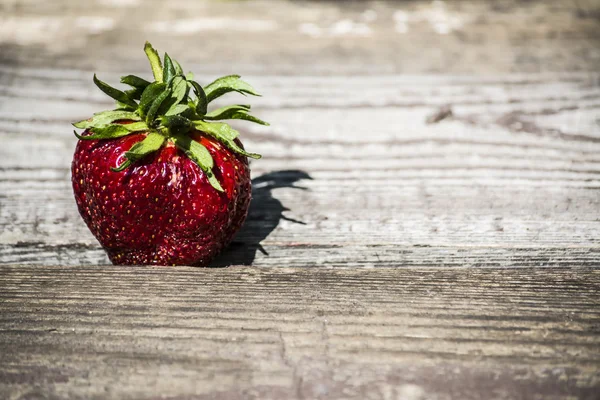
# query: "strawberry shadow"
[[263, 217]]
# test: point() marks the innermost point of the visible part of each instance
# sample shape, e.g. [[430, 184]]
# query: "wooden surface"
[[306, 37], [456, 141], [383, 333]]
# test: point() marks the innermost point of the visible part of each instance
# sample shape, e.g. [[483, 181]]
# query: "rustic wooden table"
[[425, 221]]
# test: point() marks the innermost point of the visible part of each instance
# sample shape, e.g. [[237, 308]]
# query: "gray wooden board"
[[295, 37], [289, 333], [510, 178]]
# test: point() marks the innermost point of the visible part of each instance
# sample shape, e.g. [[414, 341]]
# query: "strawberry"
[[157, 180]]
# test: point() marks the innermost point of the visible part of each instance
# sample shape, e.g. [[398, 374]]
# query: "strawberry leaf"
[[135, 81], [124, 107], [134, 127], [177, 124], [106, 117], [228, 109], [177, 109], [169, 70], [225, 134], [180, 89], [178, 69], [138, 84], [155, 63], [201, 102], [134, 94], [150, 94], [113, 131], [156, 105], [150, 144], [107, 132], [226, 84], [114, 93], [233, 112], [200, 155]]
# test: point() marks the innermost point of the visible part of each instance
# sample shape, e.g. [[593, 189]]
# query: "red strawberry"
[[156, 180]]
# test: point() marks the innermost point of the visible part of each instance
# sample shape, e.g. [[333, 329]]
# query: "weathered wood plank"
[[410, 225], [98, 332], [369, 37], [511, 178]]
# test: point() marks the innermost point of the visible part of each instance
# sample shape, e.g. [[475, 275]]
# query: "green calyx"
[[169, 109]]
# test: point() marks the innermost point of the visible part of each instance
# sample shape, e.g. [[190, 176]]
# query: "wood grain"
[[386, 333], [296, 37]]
